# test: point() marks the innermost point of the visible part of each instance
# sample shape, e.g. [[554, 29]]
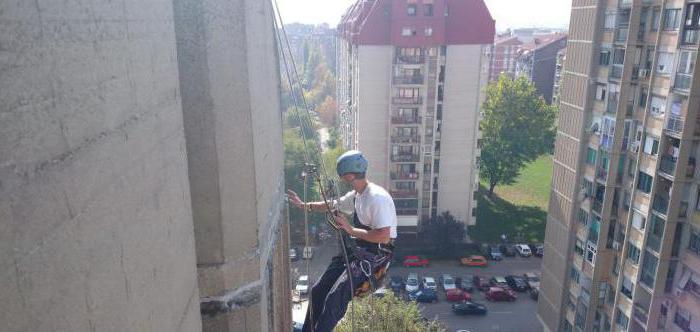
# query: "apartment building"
[[411, 74], [504, 56], [537, 60], [622, 247]]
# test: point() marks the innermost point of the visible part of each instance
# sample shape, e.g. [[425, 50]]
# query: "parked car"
[[423, 295], [469, 308], [466, 283], [414, 261], [517, 283], [457, 295], [537, 250], [447, 282], [429, 283], [396, 284], [412, 284], [523, 250], [293, 254], [481, 283], [535, 293], [507, 250], [495, 253], [500, 294], [302, 286], [380, 292], [474, 260], [532, 280], [498, 281], [308, 253]]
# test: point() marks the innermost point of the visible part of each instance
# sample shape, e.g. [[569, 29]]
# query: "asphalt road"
[[517, 316]]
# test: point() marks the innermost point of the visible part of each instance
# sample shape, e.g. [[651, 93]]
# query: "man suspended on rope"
[[374, 230]]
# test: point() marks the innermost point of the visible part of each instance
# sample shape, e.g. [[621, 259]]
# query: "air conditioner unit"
[[643, 72]]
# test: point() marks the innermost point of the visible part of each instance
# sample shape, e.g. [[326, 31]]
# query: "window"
[[651, 146], [658, 106], [574, 275], [604, 58], [633, 253], [627, 287], [686, 64], [694, 242], [655, 19], [590, 158], [411, 10], [609, 20], [578, 247], [664, 63], [643, 94], [638, 221], [672, 19], [587, 187], [407, 32], [648, 272], [591, 252], [428, 9], [428, 31], [600, 91], [644, 183], [582, 217], [682, 319], [621, 319]]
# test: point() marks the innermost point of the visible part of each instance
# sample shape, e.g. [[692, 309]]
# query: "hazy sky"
[[508, 13]]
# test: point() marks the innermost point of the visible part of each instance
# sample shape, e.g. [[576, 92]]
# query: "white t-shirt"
[[374, 206]]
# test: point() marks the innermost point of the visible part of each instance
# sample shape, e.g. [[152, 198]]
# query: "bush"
[[386, 314]]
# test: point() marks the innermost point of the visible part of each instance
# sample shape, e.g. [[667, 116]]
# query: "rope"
[[302, 126]]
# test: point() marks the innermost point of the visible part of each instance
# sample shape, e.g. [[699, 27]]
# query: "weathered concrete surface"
[[95, 220], [230, 97]]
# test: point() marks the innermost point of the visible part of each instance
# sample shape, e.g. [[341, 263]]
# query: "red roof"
[[453, 22]]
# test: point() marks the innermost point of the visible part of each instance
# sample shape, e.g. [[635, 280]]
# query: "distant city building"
[[321, 36], [504, 56], [527, 35], [622, 245], [410, 89], [556, 90], [537, 61]]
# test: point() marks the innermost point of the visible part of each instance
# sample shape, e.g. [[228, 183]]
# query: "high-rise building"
[[411, 75], [622, 247], [537, 60]]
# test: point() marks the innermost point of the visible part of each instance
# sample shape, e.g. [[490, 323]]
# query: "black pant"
[[330, 296]]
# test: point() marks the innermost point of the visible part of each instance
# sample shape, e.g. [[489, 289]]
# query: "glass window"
[[411, 10], [651, 146], [600, 91], [658, 106], [664, 63], [672, 19], [655, 19], [694, 242], [633, 253], [604, 59], [609, 20], [621, 319], [644, 183], [648, 272], [428, 9], [638, 221], [590, 158], [428, 31]]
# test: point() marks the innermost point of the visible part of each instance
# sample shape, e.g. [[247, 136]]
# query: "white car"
[[308, 253], [523, 250], [303, 285], [429, 282], [412, 283], [448, 282]]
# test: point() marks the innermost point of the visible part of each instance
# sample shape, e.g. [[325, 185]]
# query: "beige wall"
[[373, 98], [466, 74], [95, 220]]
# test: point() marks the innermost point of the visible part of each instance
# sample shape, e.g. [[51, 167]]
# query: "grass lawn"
[[520, 208]]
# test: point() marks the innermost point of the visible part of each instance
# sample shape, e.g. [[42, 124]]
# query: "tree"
[[386, 314], [517, 127], [327, 111], [442, 234]]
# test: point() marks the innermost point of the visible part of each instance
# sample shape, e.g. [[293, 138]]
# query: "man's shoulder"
[[378, 191]]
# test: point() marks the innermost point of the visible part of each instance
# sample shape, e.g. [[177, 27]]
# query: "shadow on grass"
[[496, 216]]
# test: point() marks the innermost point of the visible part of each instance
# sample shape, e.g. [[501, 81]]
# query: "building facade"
[[410, 87], [622, 246], [537, 60], [504, 56], [141, 168]]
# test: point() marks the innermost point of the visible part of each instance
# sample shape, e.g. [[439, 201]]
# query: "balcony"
[[615, 71], [683, 81], [625, 3], [660, 204], [406, 157], [668, 165], [405, 139], [640, 314], [674, 125], [405, 120], [407, 100], [601, 174], [410, 59], [404, 193], [690, 37], [621, 34], [408, 79], [597, 206], [653, 243], [404, 175], [406, 212]]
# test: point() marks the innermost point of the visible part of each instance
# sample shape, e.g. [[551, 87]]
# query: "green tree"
[[517, 127], [385, 314], [442, 234]]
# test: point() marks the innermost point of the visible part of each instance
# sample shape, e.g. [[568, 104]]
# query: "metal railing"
[[405, 119], [405, 193], [407, 100], [408, 79], [668, 165], [690, 37], [404, 175], [675, 124], [410, 59], [405, 139], [682, 81]]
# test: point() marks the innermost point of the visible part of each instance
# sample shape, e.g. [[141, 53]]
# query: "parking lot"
[[517, 316]]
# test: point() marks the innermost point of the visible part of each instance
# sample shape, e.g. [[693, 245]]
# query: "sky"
[[508, 13]]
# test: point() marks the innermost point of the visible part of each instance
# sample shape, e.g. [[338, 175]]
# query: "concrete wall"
[[95, 220], [233, 124], [466, 73], [373, 100]]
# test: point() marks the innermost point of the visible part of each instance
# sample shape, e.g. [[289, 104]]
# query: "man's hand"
[[343, 223], [294, 199]]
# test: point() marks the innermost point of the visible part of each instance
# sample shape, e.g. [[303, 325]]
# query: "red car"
[[457, 295], [409, 261], [500, 294]]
